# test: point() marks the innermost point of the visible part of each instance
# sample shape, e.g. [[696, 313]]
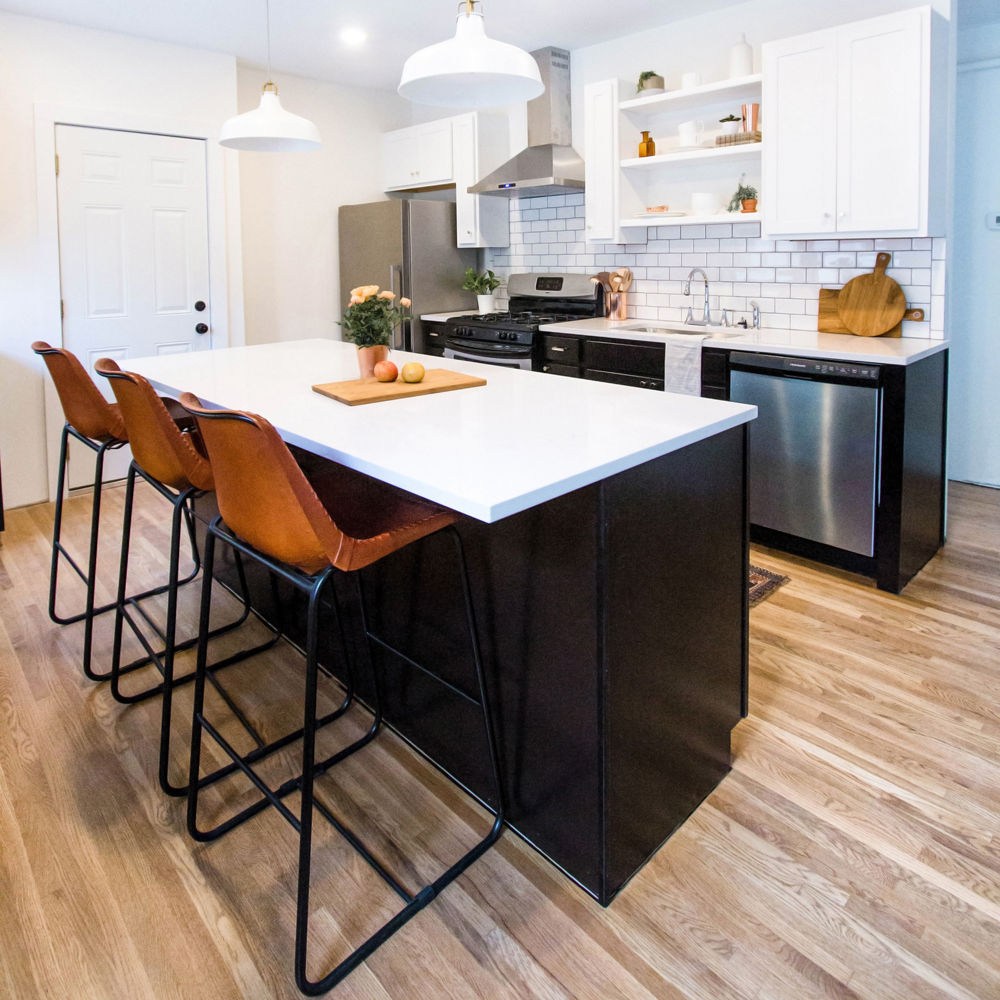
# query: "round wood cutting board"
[[871, 304]]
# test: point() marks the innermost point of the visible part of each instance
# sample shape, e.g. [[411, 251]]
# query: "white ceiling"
[[304, 32]]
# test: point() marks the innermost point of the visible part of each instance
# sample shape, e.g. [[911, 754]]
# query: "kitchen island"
[[607, 540]]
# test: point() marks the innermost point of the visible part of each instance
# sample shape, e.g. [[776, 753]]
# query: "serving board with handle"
[[357, 391], [869, 305]]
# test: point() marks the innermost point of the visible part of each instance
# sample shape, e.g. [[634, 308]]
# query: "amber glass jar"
[[647, 147]]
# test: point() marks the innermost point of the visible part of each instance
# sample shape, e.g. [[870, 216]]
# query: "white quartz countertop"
[[799, 343], [441, 317], [488, 452]]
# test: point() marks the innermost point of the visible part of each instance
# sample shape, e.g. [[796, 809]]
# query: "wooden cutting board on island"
[[356, 391]]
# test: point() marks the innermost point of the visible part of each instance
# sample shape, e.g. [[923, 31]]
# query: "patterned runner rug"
[[763, 583]]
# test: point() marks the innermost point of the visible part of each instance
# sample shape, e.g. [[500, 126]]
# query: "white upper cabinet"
[[419, 156], [601, 160], [849, 114], [455, 152]]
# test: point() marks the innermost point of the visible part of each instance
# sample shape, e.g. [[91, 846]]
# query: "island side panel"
[[675, 592], [534, 581]]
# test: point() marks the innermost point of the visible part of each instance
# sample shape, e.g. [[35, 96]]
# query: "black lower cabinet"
[[622, 362], [613, 626]]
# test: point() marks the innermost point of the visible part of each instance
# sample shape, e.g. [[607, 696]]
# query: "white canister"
[[705, 203], [690, 133], [741, 58]]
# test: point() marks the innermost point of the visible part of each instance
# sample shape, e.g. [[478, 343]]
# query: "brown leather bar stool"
[[98, 425], [270, 512], [170, 461]]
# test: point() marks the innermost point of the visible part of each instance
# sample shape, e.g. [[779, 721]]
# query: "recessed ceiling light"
[[354, 36]]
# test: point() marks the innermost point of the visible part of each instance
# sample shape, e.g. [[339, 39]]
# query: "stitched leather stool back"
[[83, 405], [158, 445]]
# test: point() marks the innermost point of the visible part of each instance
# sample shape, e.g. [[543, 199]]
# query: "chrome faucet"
[[706, 319], [756, 314]]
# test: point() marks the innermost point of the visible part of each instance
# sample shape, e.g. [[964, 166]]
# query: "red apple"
[[386, 371]]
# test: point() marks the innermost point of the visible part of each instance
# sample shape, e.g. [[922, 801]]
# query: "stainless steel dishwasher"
[[814, 447]]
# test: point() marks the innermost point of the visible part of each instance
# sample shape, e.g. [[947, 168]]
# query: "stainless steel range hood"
[[550, 165]]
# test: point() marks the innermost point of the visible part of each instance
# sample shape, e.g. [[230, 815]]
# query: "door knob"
[[201, 328], [200, 306]]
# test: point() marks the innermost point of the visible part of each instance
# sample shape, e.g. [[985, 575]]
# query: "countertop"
[[488, 452], [800, 343], [441, 317]]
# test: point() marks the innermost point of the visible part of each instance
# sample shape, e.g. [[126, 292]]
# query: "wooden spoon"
[[871, 304]]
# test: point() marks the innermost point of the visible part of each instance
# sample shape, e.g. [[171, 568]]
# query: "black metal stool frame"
[[89, 576], [163, 659], [314, 585]]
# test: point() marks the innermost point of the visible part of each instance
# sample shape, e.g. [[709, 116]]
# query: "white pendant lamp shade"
[[270, 128], [470, 70]]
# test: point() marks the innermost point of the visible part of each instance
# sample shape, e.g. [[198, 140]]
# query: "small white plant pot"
[[486, 304]]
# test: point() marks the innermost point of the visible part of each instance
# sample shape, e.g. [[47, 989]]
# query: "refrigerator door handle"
[[399, 337]]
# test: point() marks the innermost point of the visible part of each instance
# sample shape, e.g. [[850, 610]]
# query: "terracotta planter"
[[369, 357], [749, 204]]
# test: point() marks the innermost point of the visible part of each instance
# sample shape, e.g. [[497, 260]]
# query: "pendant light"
[[470, 70], [269, 128]]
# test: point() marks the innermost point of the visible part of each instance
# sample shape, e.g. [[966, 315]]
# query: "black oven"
[[510, 339]]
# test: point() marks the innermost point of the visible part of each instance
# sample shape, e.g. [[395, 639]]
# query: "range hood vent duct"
[[550, 165]]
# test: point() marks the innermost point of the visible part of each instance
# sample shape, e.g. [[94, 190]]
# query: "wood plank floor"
[[854, 850]]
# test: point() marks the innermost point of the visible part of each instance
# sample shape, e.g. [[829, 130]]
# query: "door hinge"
[[62, 308], [57, 164]]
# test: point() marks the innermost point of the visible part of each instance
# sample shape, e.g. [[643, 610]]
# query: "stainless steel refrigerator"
[[408, 246]]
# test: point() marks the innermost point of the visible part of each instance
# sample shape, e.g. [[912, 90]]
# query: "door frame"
[[224, 233]]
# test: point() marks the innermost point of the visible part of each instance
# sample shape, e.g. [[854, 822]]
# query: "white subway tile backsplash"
[[790, 274], [784, 276]]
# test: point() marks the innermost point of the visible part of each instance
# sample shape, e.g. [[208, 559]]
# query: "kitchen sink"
[[693, 331]]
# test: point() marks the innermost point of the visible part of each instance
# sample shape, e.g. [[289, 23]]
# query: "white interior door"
[[973, 274], [133, 252]]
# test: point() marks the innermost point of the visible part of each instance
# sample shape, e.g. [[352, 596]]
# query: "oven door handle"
[[496, 360]]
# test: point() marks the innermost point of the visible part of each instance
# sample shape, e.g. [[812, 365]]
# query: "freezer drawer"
[[813, 457]]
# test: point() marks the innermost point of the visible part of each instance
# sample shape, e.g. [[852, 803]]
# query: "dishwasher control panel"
[[809, 367]]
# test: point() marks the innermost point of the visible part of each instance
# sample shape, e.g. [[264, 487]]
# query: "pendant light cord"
[[267, 20]]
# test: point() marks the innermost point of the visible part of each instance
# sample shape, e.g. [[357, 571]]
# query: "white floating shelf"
[[743, 150], [741, 89], [689, 220]]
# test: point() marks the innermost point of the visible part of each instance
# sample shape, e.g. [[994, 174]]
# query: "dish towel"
[[682, 372]]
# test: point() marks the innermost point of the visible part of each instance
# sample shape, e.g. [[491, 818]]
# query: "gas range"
[[509, 338]]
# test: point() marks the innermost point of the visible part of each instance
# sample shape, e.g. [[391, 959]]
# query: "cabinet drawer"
[[625, 356], [556, 369], [565, 350], [619, 378]]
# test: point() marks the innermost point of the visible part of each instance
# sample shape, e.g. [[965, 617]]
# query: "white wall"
[[289, 203], [46, 62]]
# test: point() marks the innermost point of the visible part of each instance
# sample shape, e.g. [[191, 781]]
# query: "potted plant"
[[368, 323], [731, 124], [483, 285], [744, 198], [650, 82]]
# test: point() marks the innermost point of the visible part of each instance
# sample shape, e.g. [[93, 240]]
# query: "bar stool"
[[98, 425], [170, 462], [256, 479]]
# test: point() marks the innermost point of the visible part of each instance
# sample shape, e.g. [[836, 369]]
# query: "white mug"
[[690, 133], [704, 203], [689, 80]]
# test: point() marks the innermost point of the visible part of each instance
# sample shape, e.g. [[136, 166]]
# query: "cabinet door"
[[799, 116], [601, 157], [399, 159], [434, 153], [466, 168], [881, 78]]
